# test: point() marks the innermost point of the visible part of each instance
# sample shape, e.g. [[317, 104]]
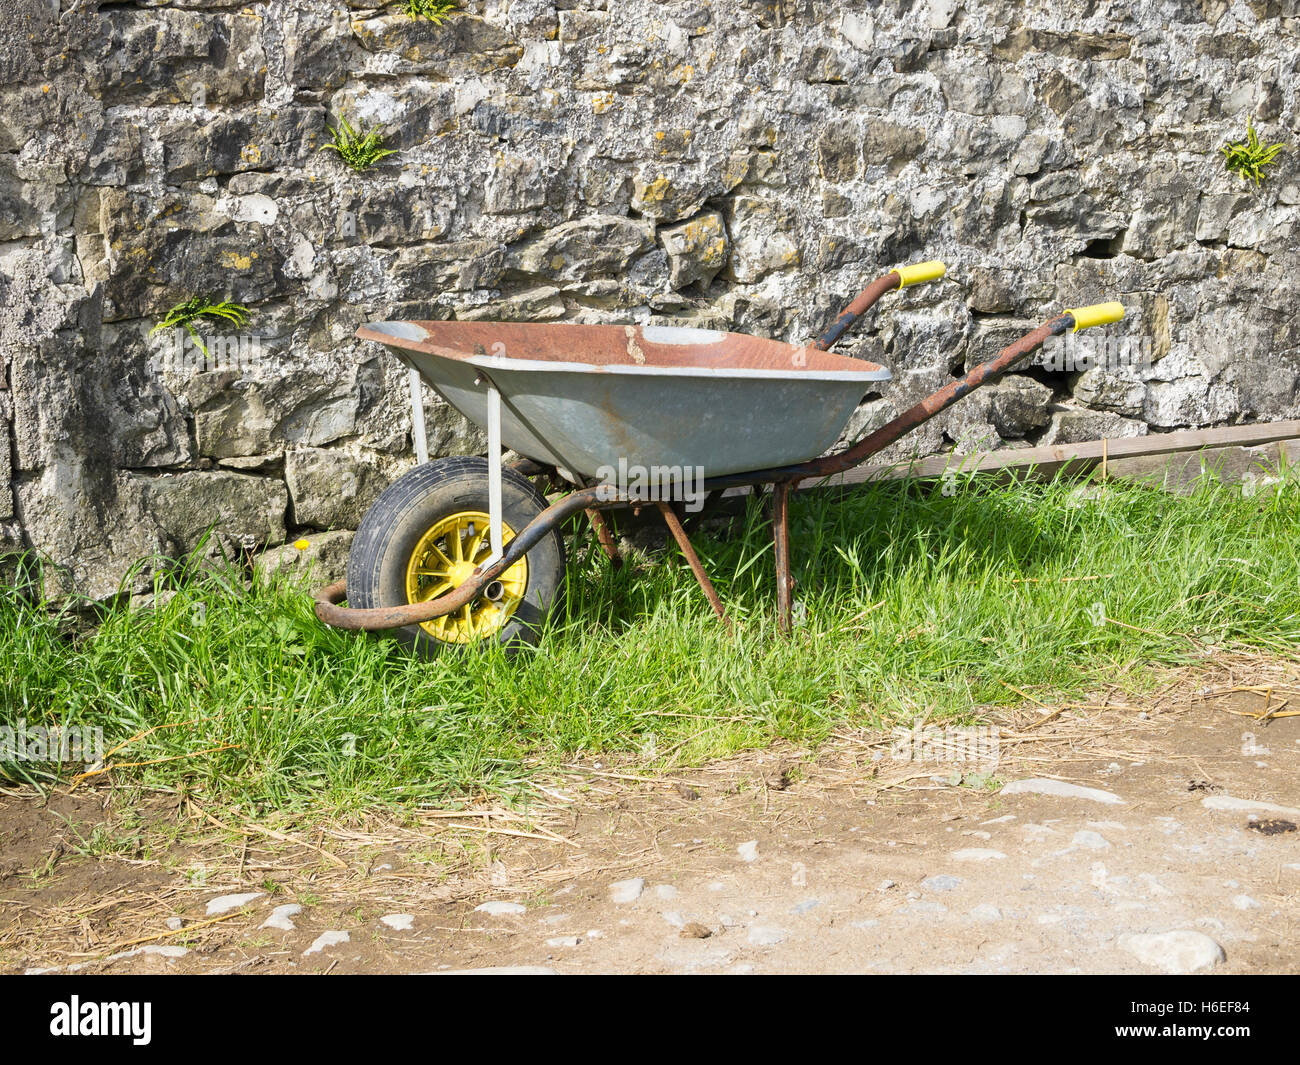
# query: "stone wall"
[[737, 164]]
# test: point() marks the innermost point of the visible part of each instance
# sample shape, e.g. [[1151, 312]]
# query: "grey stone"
[[1119, 391], [323, 560], [147, 57], [1235, 805], [501, 909], [990, 292], [697, 249], [941, 882], [767, 935], [246, 510], [977, 854], [1060, 789], [1019, 405], [1073, 426], [307, 408], [331, 489], [586, 248], [671, 193], [280, 917], [1089, 840], [399, 922], [326, 940], [225, 903], [1181, 951], [761, 241], [627, 890], [464, 47]]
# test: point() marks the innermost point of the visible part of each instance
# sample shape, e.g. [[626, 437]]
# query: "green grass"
[[916, 603]]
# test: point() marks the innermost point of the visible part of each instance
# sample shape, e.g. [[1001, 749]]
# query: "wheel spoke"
[[475, 544], [443, 585]]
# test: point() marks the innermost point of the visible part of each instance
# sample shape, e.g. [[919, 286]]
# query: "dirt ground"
[[850, 858]]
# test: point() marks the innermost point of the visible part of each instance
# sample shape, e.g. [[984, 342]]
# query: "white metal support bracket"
[[494, 471], [417, 417]]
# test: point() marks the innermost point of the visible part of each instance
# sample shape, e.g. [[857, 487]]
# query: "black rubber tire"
[[414, 503]]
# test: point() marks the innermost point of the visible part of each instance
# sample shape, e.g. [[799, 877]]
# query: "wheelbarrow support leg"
[[684, 542], [605, 537], [781, 550]]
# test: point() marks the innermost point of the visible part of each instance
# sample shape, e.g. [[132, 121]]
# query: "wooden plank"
[[1137, 457], [1051, 459]]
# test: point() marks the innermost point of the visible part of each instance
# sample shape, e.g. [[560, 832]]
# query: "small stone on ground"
[[501, 909], [280, 917], [226, 903], [1039, 786], [767, 936], [399, 922], [627, 890], [326, 939], [1181, 951]]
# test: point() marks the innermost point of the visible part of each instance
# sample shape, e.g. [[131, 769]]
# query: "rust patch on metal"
[[864, 300], [633, 349], [601, 346]]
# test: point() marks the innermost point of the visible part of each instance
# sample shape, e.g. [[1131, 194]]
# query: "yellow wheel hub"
[[445, 558]]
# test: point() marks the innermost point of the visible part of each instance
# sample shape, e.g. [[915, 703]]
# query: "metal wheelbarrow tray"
[[582, 398], [581, 402]]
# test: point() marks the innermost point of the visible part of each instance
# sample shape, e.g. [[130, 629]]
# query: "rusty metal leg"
[[684, 542], [781, 549], [605, 536]]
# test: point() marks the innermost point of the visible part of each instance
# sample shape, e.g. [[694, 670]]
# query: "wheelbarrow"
[[466, 549]]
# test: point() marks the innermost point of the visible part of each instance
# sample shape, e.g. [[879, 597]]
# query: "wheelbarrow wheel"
[[424, 536]]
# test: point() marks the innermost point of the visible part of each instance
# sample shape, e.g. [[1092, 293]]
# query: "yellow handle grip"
[[914, 275], [1097, 314]]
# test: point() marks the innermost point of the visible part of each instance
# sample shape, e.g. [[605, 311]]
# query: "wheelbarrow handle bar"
[[941, 400], [922, 412], [900, 277]]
